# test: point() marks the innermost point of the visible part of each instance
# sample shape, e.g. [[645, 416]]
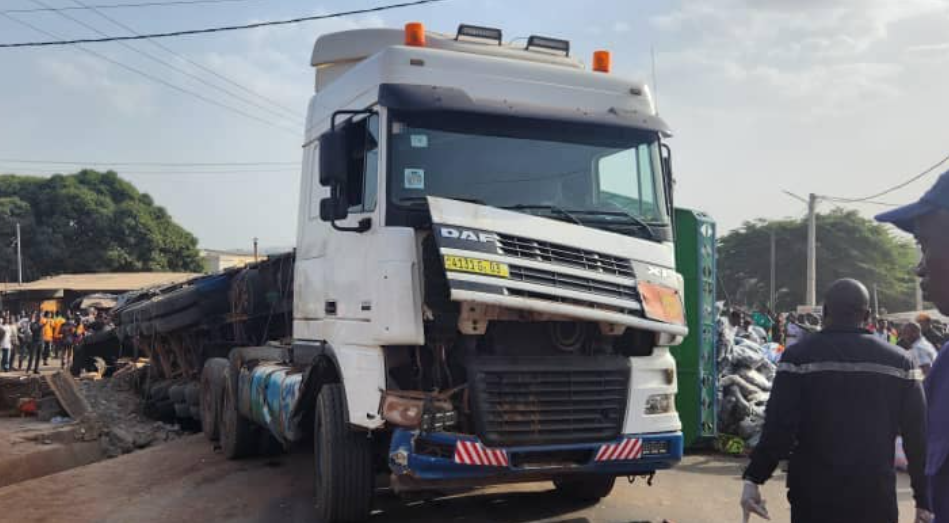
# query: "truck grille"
[[574, 283], [570, 301], [526, 248], [539, 401]]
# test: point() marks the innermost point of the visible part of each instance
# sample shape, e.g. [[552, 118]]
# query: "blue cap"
[[935, 199]]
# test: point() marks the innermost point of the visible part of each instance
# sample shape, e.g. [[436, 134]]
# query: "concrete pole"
[[876, 301], [19, 256], [255, 249], [812, 250]]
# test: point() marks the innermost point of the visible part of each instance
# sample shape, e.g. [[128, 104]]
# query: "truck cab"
[[485, 263]]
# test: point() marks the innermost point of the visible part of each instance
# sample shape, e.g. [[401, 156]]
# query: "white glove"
[[924, 516], [752, 502]]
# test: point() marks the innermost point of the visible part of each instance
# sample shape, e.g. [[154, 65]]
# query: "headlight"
[[660, 404]]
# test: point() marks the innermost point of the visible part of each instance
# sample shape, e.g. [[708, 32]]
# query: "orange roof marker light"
[[415, 34], [601, 61]]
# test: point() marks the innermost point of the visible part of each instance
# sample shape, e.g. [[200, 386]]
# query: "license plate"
[[476, 266]]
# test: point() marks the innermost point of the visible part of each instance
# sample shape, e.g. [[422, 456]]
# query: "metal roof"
[[103, 281]]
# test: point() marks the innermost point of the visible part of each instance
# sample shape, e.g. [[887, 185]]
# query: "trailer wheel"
[[212, 391], [587, 489], [238, 437], [343, 462]]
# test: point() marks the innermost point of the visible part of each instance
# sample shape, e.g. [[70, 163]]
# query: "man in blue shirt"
[[928, 220]]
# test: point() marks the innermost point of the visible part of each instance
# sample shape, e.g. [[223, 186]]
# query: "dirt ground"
[[186, 480]]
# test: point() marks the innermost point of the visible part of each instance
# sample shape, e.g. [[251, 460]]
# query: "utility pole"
[[19, 256], [876, 301], [812, 250], [772, 295], [255, 249]]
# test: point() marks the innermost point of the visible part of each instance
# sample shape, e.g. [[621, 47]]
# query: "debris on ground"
[[117, 408], [746, 372]]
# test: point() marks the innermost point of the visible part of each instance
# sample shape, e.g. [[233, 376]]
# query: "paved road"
[[184, 481]]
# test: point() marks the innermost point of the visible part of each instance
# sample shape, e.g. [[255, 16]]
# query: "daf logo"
[[658, 271], [465, 234]]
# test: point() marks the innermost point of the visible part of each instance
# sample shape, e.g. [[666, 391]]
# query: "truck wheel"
[[238, 437], [212, 389], [193, 393], [343, 461], [588, 489]]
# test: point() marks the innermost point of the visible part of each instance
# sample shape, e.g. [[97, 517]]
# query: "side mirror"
[[333, 208], [665, 156], [334, 157]]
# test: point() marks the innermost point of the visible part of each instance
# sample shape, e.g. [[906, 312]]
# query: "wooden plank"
[[68, 394]]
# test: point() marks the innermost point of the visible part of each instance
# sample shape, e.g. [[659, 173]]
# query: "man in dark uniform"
[[928, 220], [840, 398]]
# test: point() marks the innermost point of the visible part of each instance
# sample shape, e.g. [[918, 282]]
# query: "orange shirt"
[[57, 327], [47, 329]]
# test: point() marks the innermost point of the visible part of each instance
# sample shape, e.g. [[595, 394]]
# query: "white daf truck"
[[483, 289]]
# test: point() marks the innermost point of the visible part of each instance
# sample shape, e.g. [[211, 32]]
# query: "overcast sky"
[[838, 97]]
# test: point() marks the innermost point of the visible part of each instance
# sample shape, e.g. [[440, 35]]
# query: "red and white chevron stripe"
[[622, 451], [474, 453]]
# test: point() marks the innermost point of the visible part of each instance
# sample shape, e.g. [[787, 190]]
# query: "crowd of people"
[[843, 393], [922, 337], [34, 337]]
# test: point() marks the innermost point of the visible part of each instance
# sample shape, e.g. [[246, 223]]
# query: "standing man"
[[928, 220], [6, 347], [920, 350], [36, 344], [840, 398]]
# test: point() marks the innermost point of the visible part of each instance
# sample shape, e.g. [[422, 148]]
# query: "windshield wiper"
[[643, 224], [424, 199], [559, 210]]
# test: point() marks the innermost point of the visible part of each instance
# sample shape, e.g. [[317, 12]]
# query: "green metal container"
[[695, 358]]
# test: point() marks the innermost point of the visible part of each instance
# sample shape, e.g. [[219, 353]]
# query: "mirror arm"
[[364, 225]]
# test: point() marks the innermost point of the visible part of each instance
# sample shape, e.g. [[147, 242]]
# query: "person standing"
[[6, 356], [36, 344], [840, 398], [47, 323], [928, 221], [921, 351], [26, 339]]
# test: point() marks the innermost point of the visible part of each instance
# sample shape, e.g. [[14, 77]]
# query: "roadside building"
[[217, 261], [58, 292]]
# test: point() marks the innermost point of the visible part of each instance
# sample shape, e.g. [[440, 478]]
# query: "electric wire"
[[173, 3], [220, 29], [288, 112], [893, 188], [155, 78], [165, 62], [145, 164]]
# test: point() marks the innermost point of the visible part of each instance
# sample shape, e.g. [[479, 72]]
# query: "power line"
[[174, 3], [155, 78], [293, 115], [221, 28], [148, 164], [188, 172], [895, 187]]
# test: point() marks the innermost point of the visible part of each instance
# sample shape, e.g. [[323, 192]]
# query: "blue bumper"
[[456, 459]]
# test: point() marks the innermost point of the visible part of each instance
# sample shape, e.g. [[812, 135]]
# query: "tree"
[[848, 246], [88, 222]]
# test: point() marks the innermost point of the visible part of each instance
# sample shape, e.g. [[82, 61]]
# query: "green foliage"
[[848, 246], [88, 222]]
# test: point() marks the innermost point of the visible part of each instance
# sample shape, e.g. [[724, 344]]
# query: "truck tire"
[[177, 393], [238, 434], [212, 390], [587, 489], [343, 462], [193, 393]]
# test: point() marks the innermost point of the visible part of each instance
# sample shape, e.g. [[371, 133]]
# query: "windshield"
[[597, 176]]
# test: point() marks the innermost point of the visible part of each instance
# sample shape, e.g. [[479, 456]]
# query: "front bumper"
[[446, 460]]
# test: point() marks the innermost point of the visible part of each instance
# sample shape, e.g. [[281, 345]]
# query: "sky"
[[835, 97]]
